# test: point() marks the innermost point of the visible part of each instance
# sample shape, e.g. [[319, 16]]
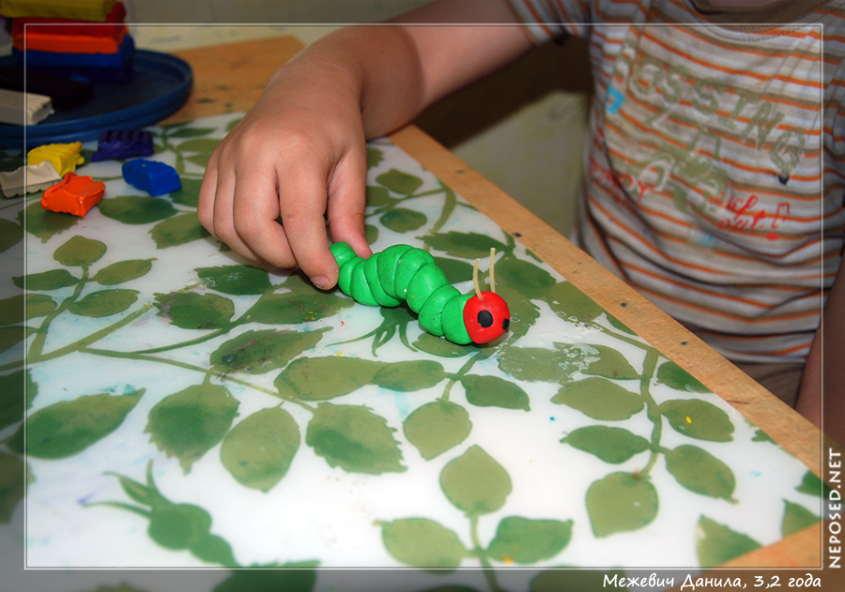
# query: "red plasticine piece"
[[46, 40], [74, 195]]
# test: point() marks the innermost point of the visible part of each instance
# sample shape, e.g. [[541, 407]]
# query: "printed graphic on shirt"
[[724, 155]]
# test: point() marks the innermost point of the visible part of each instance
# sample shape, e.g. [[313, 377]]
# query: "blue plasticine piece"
[[114, 144], [156, 178]]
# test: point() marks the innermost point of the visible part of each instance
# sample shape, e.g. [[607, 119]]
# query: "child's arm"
[[300, 152], [825, 368]]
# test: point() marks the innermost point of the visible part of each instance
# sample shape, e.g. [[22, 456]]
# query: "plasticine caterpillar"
[[404, 273]]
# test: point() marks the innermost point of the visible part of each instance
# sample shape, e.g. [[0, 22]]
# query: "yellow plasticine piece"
[[65, 157], [82, 10]]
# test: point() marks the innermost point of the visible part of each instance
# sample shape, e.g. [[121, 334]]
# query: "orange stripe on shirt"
[[726, 70], [723, 314], [691, 30]]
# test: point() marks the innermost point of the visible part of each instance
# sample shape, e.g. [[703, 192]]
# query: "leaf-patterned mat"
[[186, 410]]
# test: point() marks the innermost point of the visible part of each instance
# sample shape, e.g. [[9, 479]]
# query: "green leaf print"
[[235, 280], [621, 502], [600, 399], [701, 472], [354, 439], [123, 271], [178, 230], [475, 483], [288, 579], [423, 543], [524, 313], [610, 444], [436, 427], [143, 494], [611, 364], [259, 450], [618, 324], [379, 196], [104, 303], [295, 308], [492, 391], [174, 526], [796, 517], [10, 234], [257, 352], [46, 280], [409, 376], [567, 302], [212, 549], [11, 485], [717, 544], [44, 223], [761, 436], [525, 277], [399, 182], [527, 541], [137, 209], [464, 245], [371, 234], [188, 132], [11, 336], [443, 348], [34, 305], [12, 387], [195, 311], [403, 220], [79, 252], [200, 160], [455, 270], [189, 194], [374, 157], [189, 423], [206, 145], [698, 419], [69, 427], [812, 485], [676, 377], [321, 379], [540, 364]]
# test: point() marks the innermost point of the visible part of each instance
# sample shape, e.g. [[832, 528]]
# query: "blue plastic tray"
[[161, 85]]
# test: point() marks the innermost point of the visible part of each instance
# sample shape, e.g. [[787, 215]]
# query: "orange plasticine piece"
[[74, 195]]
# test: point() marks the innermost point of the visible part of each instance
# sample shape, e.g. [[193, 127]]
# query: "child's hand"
[[299, 153]]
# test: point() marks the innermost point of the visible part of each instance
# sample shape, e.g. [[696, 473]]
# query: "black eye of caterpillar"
[[485, 319], [505, 324]]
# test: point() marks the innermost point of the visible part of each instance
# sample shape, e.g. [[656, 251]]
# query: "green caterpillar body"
[[402, 273]]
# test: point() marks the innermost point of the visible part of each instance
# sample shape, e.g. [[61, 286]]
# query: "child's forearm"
[[400, 68]]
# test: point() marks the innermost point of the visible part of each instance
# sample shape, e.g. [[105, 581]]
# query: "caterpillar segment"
[[402, 273]]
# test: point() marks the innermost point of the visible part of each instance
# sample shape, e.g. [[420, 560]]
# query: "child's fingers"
[[347, 200], [302, 202], [208, 188], [214, 209], [255, 213]]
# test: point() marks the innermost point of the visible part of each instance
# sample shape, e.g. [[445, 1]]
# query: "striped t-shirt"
[[715, 168]]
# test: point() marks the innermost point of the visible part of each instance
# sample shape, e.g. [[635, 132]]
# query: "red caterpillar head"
[[486, 317]]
